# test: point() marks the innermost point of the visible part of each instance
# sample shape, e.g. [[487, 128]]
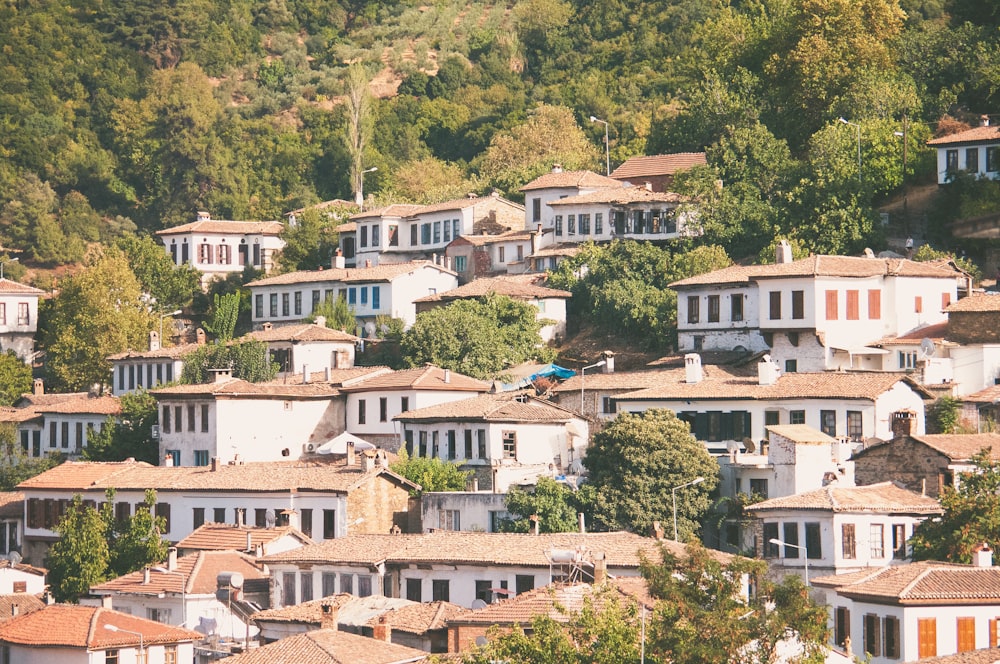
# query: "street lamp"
[[142, 642], [902, 135], [858, 127], [607, 145], [9, 260], [164, 570], [162, 316], [360, 196], [805, 553], [583, 372], [673, 492]]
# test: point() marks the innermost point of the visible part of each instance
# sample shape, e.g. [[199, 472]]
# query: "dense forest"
[[129, 115]]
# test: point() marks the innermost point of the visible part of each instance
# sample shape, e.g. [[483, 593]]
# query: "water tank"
[[229, 579]]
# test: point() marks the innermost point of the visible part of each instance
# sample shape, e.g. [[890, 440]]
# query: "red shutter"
[[874, 304], [852, 305], [831, 305]]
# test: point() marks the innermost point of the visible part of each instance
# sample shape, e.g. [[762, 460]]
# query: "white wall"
[[476, 509], [154, 654], [9, 576], [417, 399]]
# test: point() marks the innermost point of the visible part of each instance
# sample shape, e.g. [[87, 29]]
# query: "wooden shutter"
[[874, 304], [853, 299], [993, 633], [831, 305], [945, 300], [163, 510], [918, 304], [966, 629], [926, 637]]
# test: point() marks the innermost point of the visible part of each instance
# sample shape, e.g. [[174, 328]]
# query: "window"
[[65, 434], [775, 305], [451, 446], [736, 307], [501, 254], [3, 313], [328, 583], [440, 591], [306, 522], [828, 422], [362, 414], [364, 295], [393, 235], [891, 645], [413, 590], [993, 642], [347, 583], [329, 524], [571, 224], [481, 440], [797, 417], [383, 409], [876, 535], [536, 209], [972, 160], [509, 444], [305, 586], [926, 637], [841, 625], [852, 305], [376, 297], [798, 305], [459, 264], [352, 295], [713, 308], [425, 233], [854, 425], [899, 541], [169, 654], [449, 520], [874, 304], [162, 511], [608, 405], [966, 629], [918, 304], [558, 224], [831, 305], [484, 591], [437, 232], [771, 417], [907, 359], [770, 533], [273, 305], [584, 224], [364, 585], [376, 232], [792, 366], [204, 418], [598, 223], [190, 418], [258, 306], [993, 159], [205, 254], [423, 444], [951, 161], [298, 303], [413, 235], [219, 514], [790, 536], [693, 308], [201, 457], [872, 633], [364, 237], [454, 227], [814, 545], [158, 615], [847, 541], [110, 656], [198, 517]]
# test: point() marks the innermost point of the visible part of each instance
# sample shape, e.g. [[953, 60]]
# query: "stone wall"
[[381, 503], [903, 460], [974, 327]]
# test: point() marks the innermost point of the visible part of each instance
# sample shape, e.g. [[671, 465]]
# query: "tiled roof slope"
[[570, 179], [229, 537], [226, 226], [620, 197], [74, 626], [514, 288], [421, 378], [13, 287], [960, 447], [25, 603], [561, 249], [351, 610], [977, 303], [329, 646], [975, 134], [420, 617], [826, 266], [885, 497], [11, 504], [303, 332], [801, 433], [920, 583], [237, 387], [490, 408], [358, 549], [313, 475], [462, 203], [617, 380], [197, 573], [394, 210], [381, 272], [481, 240], [935, 332], [659, 164], [170, 352], [984, 656]]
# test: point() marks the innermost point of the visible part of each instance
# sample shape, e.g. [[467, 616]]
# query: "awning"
[[338, 444], [863, 350]]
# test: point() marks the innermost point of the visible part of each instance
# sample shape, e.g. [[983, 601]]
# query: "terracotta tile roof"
[[920, 583], [281, 476], [660, 164], [351, 611], [23, 567], [961, 447], [338, 377], [935, 333], [984, 302], [349, 227], [13, 287], [984, 656], [31, 399], [84, 405], [827, 266], [11, 504], [974, 135], [299, 332], [620, 197], [557, 601], [420, 617], [357, 549], [395, 210], [350, 275], [481, 240], [225, 226], [172, 352], [618, 380], [75, 626], [722, 382], [237, 387], [420, 378], [561, 249], [572, 179], [503, 407], [801, 433], [881, 498], [515, 288], [462, 203], [25, 603], [229, 537], [197, 575], [329, 646], [309, 613], [986, 395]]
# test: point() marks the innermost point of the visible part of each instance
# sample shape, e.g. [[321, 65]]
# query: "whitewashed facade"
[[18, 318]]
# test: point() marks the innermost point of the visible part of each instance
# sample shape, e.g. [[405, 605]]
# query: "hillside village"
[[808, 382]]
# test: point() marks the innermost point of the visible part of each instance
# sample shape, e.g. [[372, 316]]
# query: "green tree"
[[171, 286], [338, 313], [97, 313], [359, 123], [432, 474], [943, 415], [636, 461], [310, 242], [971, 515], [80, 557], [248, 360], [137, 541], [129, 435], [225, 313], [15, 378], [15, 464], [553, 503]]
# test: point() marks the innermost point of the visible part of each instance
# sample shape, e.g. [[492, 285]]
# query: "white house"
[[821, 312], [72, 634], [839, 529], [374, 404], [475, 511], [484, 255], [382, 290], [306, 347], [63, 423], [975, 151], [627, 213], [219, 248], [211, 536], [19, 578], [332, 497], [147, 369], [508, 438], [915, 611], [555, 185], [18, 318]]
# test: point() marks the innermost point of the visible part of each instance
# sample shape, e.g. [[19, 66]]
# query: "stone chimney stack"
[[320, 320], [38, 387], [168, 460], [172, 558], [221, 375], [204, 216], [381, 631], [367, 461], [215, 464], [557, 168], [294, 520], [600, 568], [609, 362], [783, 252], [338, 260], [328, 616], [447, 376], [581, 524], [904, 423], [154, 340], [692, 368], [350, 454], [982, 555], [767, 371]]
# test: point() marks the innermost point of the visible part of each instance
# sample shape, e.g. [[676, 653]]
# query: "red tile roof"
[[974, 135], [420, 617], [228, 227], [11, 504], [659, 164], [882, 498], [351, 275], [961, 447], [933, 583], [462, 203], [237, 387], [299, 332], [229, 537], [74, 626], [979, 303], [29, 407], [171, 352], [196, 574], [935, 332], [561, 249], [481, 240], [621, 197], [394, 210], [13, 287], [984, 656], [571, 180], [25, 603], [421, 378], [329, 646], [520, 289], [504, 407]]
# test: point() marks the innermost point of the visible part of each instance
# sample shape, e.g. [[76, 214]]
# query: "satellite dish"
[[750, 446], [269, 519], [480, 640], [927, 348], [14, 557], [479, 604]]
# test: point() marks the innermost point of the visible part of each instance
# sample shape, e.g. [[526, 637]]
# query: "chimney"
[[475, 484], [199, 335], [215, 464], [904, 423], [648, 186], [534, 522], [657, 530], [38, 388], [328, 616], [326, 372], [581, 525], [221, 375], [320, 320], [350, 453], [172, 559], [249, 541], [984, 120], [692, 368], [783, 252], [305, 374], [447, 376], [267, 327], [767, 371], [204, 216], [338, 260], [168, 460], [368, 262], [154, 340], [145, 576], [557, 168], [367, 461], [14, 610], [381, 631], [982, 555], [106, 602], [294, 520], [600, 568], [609, 362]]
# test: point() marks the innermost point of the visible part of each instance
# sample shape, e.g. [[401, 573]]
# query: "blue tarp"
[[549, 370]]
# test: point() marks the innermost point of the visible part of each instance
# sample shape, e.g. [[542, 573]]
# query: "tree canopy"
[[15, 378], [431, 473], [130, 435], [553, 504], [248, 360]]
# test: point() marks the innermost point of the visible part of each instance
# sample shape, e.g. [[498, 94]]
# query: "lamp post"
[[142, 642], [9, 260], [673, 493], [805, 553], [162, 316], [607, 145], [902, 135], [164, 570], [583, 373], [360, 197], [858, 127]]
